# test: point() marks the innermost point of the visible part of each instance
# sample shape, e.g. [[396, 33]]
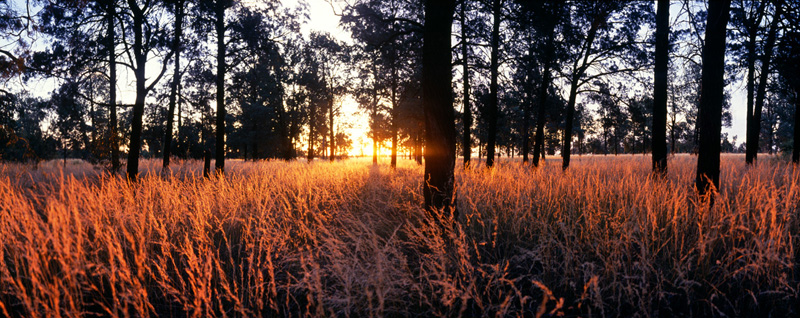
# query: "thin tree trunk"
[[752, 148], [394, 107], [467, 115], [219, 163], [437, 101], [573, 91], [796, 142], [176, 77], [311, 116], [660, 90], [112, 85], [538, 145], [711, 98], [331, 131], [752, 29], [492, 107]]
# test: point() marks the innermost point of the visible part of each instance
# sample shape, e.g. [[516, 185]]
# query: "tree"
[[437, 99], [595, 49], [660, 89], [142, 19], [492, 107], [754, 117], [179, 13], [712, 98]]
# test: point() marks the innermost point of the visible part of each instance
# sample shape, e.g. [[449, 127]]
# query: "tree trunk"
[[467, 115], [493, 68], [331, 131], [711, 98], [752, 30], [394, 106], [219, 163], [311, 121], [660, 90], [141, 92], [528, 104], [538, 144], [437, 100], [577, 70], [374, 151], [755, 124], [112, 85], [176, 77], [796, 142]]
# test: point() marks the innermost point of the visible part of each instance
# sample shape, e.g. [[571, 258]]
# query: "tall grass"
[[350, 239]]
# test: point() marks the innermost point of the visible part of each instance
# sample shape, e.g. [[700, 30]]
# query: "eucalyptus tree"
[[392, 30], [437, 100], [660, 88], [603, 40], [712, 98], [179, 13], [149, 33], [331, 58]]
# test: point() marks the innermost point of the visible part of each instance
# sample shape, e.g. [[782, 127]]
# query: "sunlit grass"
[[350, 239]]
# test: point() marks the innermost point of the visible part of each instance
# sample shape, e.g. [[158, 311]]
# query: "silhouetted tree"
[[437, 100], [660, 88], [712, 98]]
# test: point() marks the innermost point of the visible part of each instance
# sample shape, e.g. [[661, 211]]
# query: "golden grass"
[[351, 239]]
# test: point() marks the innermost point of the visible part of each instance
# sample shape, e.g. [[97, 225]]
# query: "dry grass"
[[350, 239]]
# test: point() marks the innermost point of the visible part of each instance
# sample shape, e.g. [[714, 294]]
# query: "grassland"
[[350, 239]]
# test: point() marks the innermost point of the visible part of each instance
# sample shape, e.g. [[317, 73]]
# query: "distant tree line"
[[524, 78]]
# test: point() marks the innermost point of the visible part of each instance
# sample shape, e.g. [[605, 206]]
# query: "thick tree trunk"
[[437, 100], [712, 97], [467, 114], [492, 107], [755, 125], [176, 78], [112, 85], [526, 110], [219, 162], [660, 90]]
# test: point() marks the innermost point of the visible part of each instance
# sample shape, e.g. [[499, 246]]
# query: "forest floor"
[[348, 238]]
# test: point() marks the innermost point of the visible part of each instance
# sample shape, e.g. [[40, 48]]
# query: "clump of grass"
[[350, 239]]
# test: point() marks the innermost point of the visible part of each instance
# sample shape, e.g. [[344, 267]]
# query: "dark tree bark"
[[796, 142], [711, 98], [577, 73], [112, 84], [660, 89], [312, 109], [437, 100], [752, 29], [754, 125], [538, 145], [395, 118], [467, 115], [219, 162], [141, 91], [526, 116], [176, 78], [331, 131], [492, 106]]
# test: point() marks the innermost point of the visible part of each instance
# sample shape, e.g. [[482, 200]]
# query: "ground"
[[348, 238]]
